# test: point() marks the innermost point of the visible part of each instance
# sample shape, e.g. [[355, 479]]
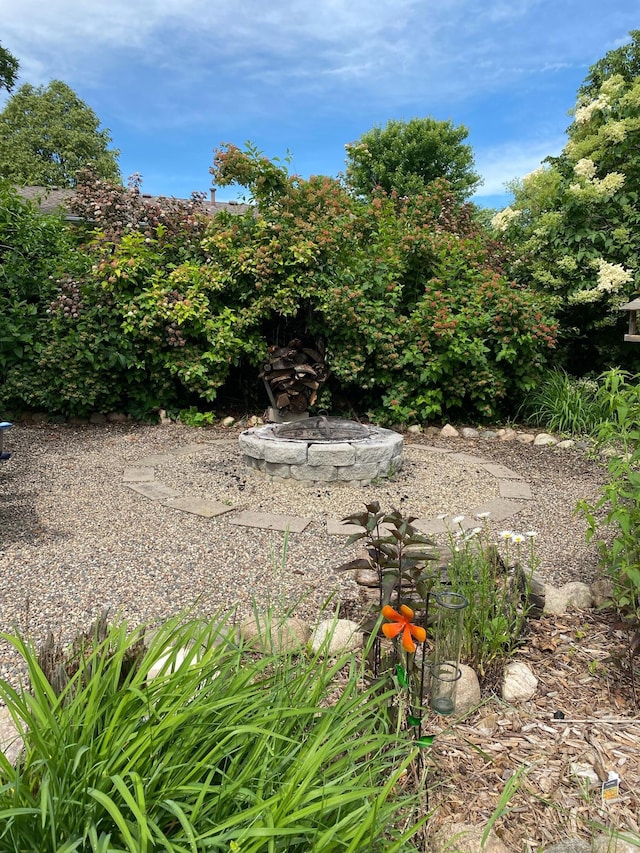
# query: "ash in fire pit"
[[323, 450], [321, 429]]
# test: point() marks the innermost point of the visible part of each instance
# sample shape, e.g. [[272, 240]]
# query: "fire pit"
[[323, 450]]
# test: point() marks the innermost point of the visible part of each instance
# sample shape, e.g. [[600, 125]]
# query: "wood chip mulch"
[[583, 723]]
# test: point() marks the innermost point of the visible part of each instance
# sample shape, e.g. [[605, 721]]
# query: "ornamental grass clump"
[[203, 746]]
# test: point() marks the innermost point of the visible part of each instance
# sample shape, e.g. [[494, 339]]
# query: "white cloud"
[[501, 164]]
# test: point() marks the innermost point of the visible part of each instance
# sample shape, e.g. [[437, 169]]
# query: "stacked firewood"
[[293, 375]]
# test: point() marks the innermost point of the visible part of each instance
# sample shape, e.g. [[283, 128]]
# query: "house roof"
[[55, 199]]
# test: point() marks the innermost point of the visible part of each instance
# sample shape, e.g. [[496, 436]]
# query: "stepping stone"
[[470, 458], [155, 459], [154, 491], [138, 475], [501, 471], [271, 521], [499, 509], [199, 506], [188, 449], [515, 489]]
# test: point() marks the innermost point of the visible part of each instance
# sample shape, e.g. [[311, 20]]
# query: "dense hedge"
[[161, 306]]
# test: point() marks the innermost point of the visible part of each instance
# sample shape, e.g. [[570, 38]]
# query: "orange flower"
[[402, 622]]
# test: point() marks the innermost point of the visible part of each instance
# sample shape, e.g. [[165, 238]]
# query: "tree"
[[48, 134], [405, 157], [8, 69], [575, 222]]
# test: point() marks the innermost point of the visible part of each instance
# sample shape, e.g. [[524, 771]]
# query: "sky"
[[174, 79]]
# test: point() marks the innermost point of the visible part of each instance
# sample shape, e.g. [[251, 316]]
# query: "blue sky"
[[172, 79]]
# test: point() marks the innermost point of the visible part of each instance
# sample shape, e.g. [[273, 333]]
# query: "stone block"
[[359, 471], [287, 452], [252, 462], [277, 469], [340, 454], [251, 446], [320, 473]]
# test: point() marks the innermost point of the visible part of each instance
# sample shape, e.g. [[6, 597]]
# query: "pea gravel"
[[75, 538]]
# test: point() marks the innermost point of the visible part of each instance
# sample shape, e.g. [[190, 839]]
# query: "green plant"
[[195, 418], [397, 552], [618, 507], [202, 746], [498, 603], [564, 404]]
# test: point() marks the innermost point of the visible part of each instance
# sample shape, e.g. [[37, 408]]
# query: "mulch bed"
[[583, 720]]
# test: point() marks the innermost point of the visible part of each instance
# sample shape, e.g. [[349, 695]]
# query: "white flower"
[[504, 218], [506, 534], [483, 514], [585, 168], [531, 534], [457, 519], [584, 113], [611, 277], [442, 516], [518, 538]]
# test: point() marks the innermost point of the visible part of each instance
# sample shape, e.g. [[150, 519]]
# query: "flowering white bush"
[[585, 168], [584, 113], [504, 218]]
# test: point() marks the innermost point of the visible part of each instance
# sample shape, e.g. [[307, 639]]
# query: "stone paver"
[[154, 491], [270, 521], [469, 458], [138, 475], [501, 471], [515, 489], [155, 459], [199, 506], [499, 508]]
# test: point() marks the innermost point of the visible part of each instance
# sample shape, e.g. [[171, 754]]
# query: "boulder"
[[10, 741], [336, 636], [449, 431], [543, 439], [519, 683], [285, 637], [575, 594], [602, 592], [610, 844], [467, 692], [469, 432]]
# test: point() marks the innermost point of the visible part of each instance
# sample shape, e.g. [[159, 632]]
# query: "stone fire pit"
[[323, 450]]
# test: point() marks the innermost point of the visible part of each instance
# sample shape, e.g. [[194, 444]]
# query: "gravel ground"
[[74, 537]]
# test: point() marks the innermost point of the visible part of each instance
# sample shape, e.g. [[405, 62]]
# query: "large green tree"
[[48, 133], [575, 222], [406, 156], [8, 69]]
